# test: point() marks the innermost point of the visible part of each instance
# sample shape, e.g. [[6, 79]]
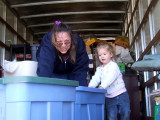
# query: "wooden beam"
[[150, 81], [152, 3], [136, 6], [12, 30], [148, 48], [4, 45]]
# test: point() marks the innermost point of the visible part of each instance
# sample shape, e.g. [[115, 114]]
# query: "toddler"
[[109, 77]]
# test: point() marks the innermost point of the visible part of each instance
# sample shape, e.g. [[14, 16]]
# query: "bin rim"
[[88, 89], [1, 81], [40, 80]]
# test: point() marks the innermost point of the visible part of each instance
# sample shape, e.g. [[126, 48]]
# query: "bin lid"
[[42, 80], [88, 89]]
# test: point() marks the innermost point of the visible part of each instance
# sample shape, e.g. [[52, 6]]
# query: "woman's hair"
[[108, 47], [61, 27]]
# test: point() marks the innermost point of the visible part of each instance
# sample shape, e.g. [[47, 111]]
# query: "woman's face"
[[63, 42]]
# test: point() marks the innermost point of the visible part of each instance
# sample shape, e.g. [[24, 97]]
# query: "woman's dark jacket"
[[49, 64]]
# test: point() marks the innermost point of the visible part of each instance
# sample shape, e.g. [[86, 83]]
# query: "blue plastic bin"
[[37, 98], [2, 100], [89, 103]]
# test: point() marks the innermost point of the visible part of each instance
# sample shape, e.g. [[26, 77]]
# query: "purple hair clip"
[[58, 22]]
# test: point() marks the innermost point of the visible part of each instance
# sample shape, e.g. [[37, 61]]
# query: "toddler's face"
[[104, 56]]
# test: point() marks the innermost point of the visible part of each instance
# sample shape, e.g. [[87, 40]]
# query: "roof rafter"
[[84, 30], [62, 2], [77, 22], [72, 13]]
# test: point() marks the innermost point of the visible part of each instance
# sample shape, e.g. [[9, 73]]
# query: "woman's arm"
[[45, 57]]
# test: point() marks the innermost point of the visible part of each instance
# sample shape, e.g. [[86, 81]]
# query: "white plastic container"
[[20, 68]]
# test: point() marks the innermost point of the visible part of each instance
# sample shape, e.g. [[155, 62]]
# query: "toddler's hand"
[[100, 87], [91, 86]]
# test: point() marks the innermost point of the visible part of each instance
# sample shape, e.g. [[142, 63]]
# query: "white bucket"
[[20, 68]]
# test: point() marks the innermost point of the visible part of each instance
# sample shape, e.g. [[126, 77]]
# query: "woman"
[[62, 54]]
